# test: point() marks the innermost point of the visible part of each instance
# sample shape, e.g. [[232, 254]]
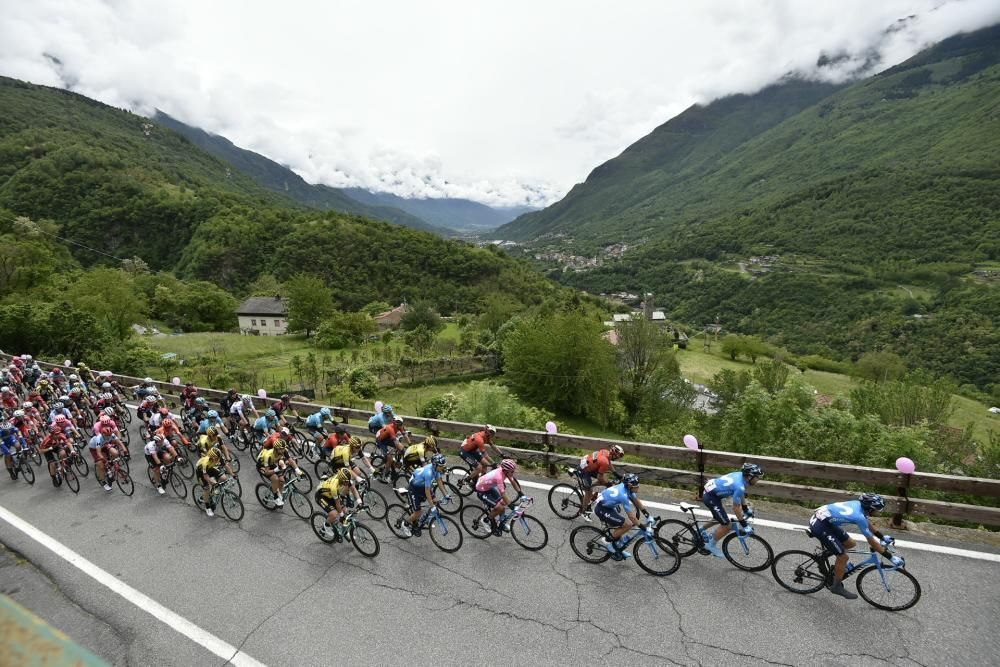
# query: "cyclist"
[[339, 437], [10, 442], [265, 424], [381, 419], [387, 440], [53, 447], [596, 463], [147, 406], [159, 453], [492, 490], [473, 452], [421, 487], [170, 431], [418, 454], [145, 389], [732, 485], [211, 420], [271, 464], [101, 450], [330, 494], [282, 406], [189, 394], [209, 470], [341, 456], [606, 506], [825, 526], [8, 399], [314, 424], [237, 418]]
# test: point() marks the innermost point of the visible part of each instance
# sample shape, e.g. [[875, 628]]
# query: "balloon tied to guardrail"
[[906, 466], [692, 443]]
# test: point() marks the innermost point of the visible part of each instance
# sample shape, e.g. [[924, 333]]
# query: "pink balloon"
[[905, 465], [690, 441], [262, 393], [378, 406], [176, 381], [67, 363], [550, 427]]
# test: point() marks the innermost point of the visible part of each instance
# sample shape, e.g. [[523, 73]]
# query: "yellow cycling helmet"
[[431, 442], [355, 443], [280, 447], [214, 455], [211, 432], [343, 475]]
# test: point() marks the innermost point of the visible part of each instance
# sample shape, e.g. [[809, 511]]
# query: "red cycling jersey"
[[597, 462], [475, 441]]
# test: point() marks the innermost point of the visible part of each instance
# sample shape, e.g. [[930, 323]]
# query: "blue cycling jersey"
[[315, 420], [263, 423], [379, 420], [206, 423], [732, 484], [55, 413], [616, 495], [10, 436], [425, 476], [848, 512]]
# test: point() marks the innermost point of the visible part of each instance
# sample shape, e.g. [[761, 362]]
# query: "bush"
[[362, 383], [440, 407]]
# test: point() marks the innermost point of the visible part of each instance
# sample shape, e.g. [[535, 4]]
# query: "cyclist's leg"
[[416, 498], [719, 515], [587, 484]]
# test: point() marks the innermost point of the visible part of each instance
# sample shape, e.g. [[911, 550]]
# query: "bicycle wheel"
[[586, 543], [476, 522], [395, 515], [126, 436], [750, 553], [454, 504], [364, 540], [459, 476], [305, 483], [377, 462], [184, 467], [529, 532], [72, 481], [445, 534], [26, 472], [565, 501], [126, 415], [375, 504], [36, 456], [679, 535], [125, 483], [322, 469], [232, 506], [81, 465], [178, 486], [799, 571], [144, 433], [311, 452], [265, 496], [301, 505], [239, 440], [656, 556], [197, 495], [323, 531], [895, 590]]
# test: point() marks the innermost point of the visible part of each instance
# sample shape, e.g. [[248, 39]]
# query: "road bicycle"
[[169, 477], [21, 467], [882, 585], [323, 468], [64, 468], [289, 494], [444, 531], [526, 530], [741, 547], [226, 492], [361, 536], [451, 503], [116, 470], [374, 502], [566, 500], [653, 555]]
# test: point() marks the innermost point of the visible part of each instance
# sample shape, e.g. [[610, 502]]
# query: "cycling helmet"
[[105, 386], [280, 447], [18, 413], [214, 456], [431, 441], [285, 431], [164, 411], [62, 419], [439, 460], [189, 384], [5, 390], [27, 405], [246, 400], [355, 443], [107, 396], [271, 414], [752, 470], [343, 475], [509, 465], [212, 414], [617, 452], [200, 401], [397, 420], [325, 412], [73, 377], [59, 405], [157, 439], [105, 419], [110, 412], [286, 398], [872, 502], [148, 381], [54, 428], [339, 428], [387, 409], [492, 430], [211, 432], [631, 480]]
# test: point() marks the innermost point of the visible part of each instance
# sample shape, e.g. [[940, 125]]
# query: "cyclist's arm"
[[440, 483], [639, 506], [430, 494], [517, 486]]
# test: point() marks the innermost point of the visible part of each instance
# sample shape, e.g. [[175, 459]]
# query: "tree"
[[772, 375], [265, 285], [110, 296], [374, 308], [643, 352], [881, 366], [733, 346], [421, 314], [561, 361], [342, 329], [420, 339], [309, 303]]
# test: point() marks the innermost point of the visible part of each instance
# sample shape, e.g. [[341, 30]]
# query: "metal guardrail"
[[29, 641], [900, 504]]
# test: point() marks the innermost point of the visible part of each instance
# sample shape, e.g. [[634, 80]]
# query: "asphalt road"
[[270, 588]]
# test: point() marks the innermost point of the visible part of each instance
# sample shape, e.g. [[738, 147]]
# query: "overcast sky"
[[503, 102]]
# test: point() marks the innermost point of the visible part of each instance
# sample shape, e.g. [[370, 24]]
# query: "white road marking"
[[906, 544], [185, 627]]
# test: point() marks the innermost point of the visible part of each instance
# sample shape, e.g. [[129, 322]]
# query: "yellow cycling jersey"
[[268, 458], [205, 465], [414, 452], [341, 456], [333, 487], [204, 444]]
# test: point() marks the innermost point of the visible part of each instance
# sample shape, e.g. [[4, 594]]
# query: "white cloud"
[[501, 103]]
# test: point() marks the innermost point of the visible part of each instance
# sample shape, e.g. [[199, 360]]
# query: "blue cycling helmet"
[[872, 502], [212, 414], [752, 470], [270, 414], [439, 460], [325, 412], [631, 480], [387, 409]]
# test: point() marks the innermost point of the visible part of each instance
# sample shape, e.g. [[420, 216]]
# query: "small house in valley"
[[390, 319], [263, 316]]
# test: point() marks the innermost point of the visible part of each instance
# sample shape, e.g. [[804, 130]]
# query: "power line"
[[62, 238]]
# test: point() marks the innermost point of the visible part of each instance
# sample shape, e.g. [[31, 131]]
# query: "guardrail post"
[[549, 463], [904, 492], [701, 470]]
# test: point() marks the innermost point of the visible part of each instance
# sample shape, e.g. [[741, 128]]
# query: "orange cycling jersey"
[[273, 438], [474, 442], [335, 439], [389, 432], [598, 462]]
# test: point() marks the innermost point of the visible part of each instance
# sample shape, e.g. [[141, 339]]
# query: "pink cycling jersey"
[[490, 480]]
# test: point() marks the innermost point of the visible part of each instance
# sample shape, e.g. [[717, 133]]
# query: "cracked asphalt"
[[270, 588]]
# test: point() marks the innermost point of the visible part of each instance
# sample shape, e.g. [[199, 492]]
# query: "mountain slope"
[[279, 178], [459, 214]]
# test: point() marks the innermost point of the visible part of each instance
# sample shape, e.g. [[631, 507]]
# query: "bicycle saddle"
[[687, 506]]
